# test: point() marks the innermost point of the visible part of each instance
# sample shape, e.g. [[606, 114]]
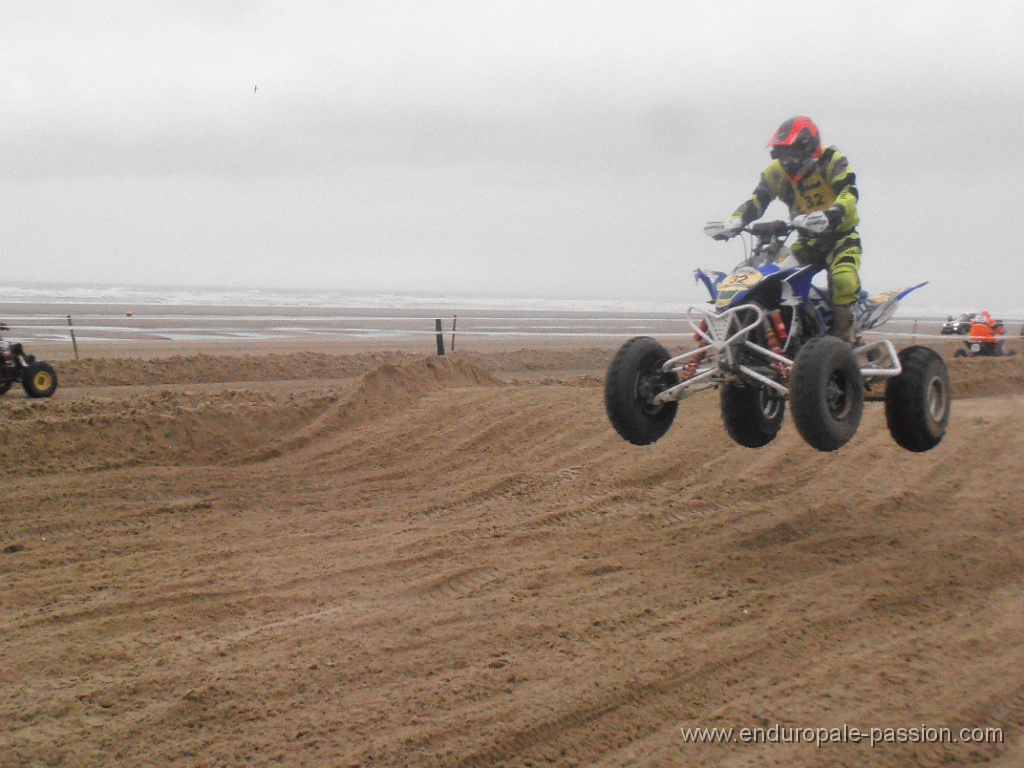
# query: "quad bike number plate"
[[740, 281]]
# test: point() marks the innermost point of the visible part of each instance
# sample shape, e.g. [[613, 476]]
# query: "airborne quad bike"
[[38, 378], [765, 343]]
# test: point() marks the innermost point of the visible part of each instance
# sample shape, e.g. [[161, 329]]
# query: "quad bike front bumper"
[[720, 337]]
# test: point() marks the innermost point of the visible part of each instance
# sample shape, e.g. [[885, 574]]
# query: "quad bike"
[[37, 377], [985, 349], [766, 343]]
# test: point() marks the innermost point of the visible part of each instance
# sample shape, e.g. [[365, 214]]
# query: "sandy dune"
[[381, 559]]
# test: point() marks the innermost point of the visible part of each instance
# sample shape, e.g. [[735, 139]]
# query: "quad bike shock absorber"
[[780, 327], [775, 331], [691, 366]]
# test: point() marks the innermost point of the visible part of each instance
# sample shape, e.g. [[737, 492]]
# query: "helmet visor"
[[791, 153], [792, 159]]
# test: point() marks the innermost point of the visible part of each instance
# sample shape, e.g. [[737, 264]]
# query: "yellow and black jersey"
[[828, 182]]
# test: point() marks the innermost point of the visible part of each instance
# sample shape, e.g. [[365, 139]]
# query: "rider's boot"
[[842, 323]]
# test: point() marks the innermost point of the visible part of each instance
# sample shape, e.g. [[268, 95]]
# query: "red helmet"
[[799, 134], [796, 145]]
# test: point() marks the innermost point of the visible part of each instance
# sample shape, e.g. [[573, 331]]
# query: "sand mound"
[[182, 427], [986, 376], [236, 423], [205, 368], [226, 368], [378, 393]]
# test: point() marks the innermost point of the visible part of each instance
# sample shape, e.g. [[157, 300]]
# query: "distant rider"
[[820, 189], [5, 357], [986, 330]]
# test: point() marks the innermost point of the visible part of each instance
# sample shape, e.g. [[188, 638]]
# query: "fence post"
[[440, 337], [74, 342], [455, 320]]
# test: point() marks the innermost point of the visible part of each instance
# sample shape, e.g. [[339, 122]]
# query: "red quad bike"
[[37, 377], [992, 344], [764, 345], [985, 349]]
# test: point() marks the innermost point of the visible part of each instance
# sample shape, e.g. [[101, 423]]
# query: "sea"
[[111, 313], [135, 295]]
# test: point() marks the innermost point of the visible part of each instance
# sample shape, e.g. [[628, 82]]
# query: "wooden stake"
[[74, 343]]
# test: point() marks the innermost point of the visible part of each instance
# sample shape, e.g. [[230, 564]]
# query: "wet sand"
[[119, 330]]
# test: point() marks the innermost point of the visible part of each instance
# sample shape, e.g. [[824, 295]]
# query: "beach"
[[62, 330], [226, 544]]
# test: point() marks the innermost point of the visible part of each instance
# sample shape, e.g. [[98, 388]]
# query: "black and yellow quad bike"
[[37, 377]]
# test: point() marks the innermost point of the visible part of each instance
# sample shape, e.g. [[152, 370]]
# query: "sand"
[[341, 556]]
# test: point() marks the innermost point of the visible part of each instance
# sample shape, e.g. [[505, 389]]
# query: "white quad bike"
[[765, 342]]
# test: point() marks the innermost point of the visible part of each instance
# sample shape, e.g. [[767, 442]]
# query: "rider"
[[5, 346], [985, 329], [820, 189]]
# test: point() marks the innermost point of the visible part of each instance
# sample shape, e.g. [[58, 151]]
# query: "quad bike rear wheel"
[[752, 415], [917, 402], [826, 393], [39, 379], [633, 380], [4, 386]]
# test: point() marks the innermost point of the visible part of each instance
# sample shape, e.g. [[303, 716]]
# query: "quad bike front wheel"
[[826, 393], [917, 402], [39, 379], [752, 415], [633, 380]]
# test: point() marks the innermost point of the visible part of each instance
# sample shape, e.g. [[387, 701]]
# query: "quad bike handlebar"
[[720, 230], [769, 228]]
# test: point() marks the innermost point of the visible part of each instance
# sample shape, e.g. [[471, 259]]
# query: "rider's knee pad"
[[845, 281]]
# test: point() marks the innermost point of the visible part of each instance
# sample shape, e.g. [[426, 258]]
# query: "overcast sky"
[[558, 149]]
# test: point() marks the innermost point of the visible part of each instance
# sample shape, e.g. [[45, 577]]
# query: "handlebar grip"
[[769, 228]]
